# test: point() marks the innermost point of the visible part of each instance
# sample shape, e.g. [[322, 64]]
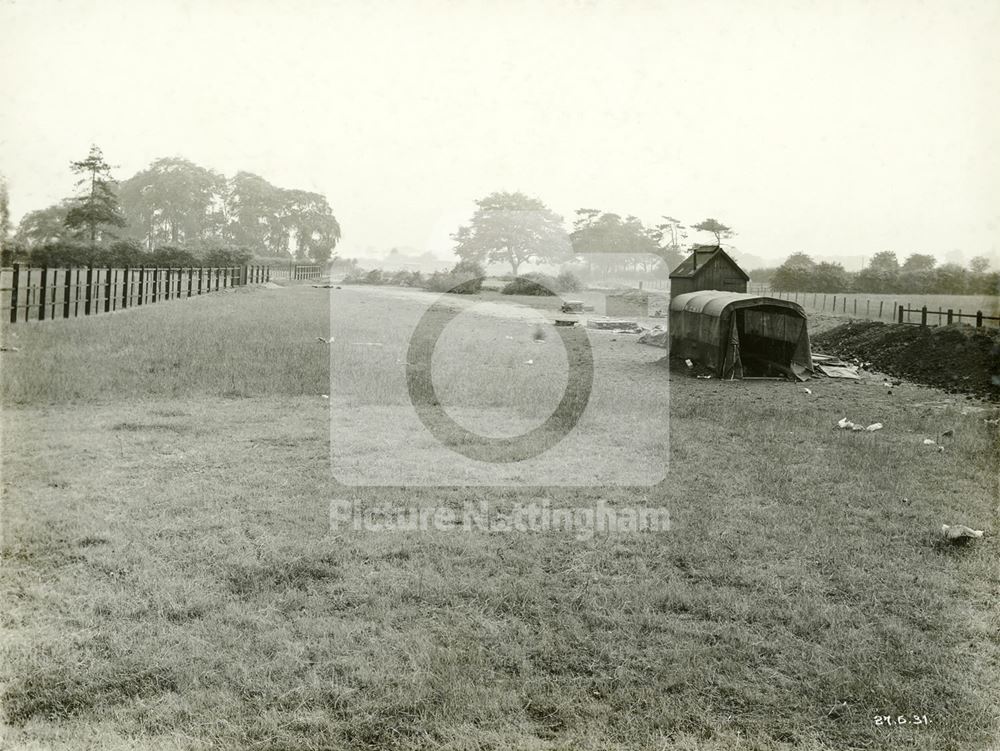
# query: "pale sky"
[[832, 128]]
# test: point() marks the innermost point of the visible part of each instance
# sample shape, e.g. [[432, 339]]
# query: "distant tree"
[[4, 211], [615, 241], [919, 262], [255, 210], [979, 265], [951, 279], [715, 227], [512, 228], [43, 226], [884, 260], [828, 277], [795, 274], [307, 216], [96, 207], [175, 202]]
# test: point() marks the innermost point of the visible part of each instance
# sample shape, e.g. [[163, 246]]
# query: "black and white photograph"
[[598, 375]]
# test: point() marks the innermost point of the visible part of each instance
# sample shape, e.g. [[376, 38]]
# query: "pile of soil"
[[957, 358]]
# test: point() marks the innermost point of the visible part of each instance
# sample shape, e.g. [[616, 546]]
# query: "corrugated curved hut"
[[740, 335]]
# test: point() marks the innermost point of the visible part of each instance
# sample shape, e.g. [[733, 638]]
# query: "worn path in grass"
[[171, 580]]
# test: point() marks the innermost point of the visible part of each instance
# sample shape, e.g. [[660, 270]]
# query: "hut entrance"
[[767, 339]]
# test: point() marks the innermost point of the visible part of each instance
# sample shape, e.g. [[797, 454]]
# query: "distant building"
[[708, 267]]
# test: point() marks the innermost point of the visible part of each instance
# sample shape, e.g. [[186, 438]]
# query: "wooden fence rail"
[[43, 293]]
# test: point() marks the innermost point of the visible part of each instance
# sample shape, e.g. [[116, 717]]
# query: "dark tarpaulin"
[[737, 334]]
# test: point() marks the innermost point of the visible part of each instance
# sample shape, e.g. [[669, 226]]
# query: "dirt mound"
[[958, 358]]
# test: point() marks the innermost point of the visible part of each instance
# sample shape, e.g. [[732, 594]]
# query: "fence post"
[[267, 273], [190, 279], [868, 308], [979, 319], [855, 306], [156, 283], [107, 291], [126, 279], [218, 272], [880, 304], [67, 283], [923, 316], [88, 294], [201, 275], [900, 313], [950, 316], [142, 283], [14, 282], [833, 308], [41, 293]]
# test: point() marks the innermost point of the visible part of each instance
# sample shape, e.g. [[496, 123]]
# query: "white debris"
[[808, 391], [960, 533], [689, 363], [930, 442], [873, 427]]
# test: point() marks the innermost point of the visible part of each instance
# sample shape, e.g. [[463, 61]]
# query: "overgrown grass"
[[171, 579]]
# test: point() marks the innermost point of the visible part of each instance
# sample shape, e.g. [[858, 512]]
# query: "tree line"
[[174, 213], [516, 229], [919, 273]]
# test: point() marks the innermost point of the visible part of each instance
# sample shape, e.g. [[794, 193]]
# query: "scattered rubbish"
[[324, 286], [572, 306], [873, 427], [325, 396], [656, 337], [325, 341], [529, 362], [9, 349], [960, 534], [948, 433], [508, 337], [808, 391], [689, 363], [930, 442], [845, 424], [658, 314], [839, 371], [705, 377]]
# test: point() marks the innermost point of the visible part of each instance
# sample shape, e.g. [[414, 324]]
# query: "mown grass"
[[171, 579]]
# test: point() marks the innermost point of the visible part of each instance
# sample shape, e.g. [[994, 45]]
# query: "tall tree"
[[307, 216], [513, 228], [715, 227], [884, 260], [97, 205], [173, 202]]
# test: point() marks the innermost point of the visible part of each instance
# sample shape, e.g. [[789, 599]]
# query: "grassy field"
[[171, 579]]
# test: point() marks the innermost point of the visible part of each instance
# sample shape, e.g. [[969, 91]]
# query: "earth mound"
[[956, 358]]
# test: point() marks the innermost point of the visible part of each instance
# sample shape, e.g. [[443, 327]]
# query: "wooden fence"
[[44, 293], [848, 304], [296, 272]]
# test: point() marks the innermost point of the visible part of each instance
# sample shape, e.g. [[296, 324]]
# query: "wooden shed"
[[708, 267]]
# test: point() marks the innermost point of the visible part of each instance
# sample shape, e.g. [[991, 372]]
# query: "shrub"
[[535, 283], [568, 282]]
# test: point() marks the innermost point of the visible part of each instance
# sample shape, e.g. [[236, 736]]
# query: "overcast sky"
[[833, 128]]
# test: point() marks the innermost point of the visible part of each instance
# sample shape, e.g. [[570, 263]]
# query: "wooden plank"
[[15, 282]]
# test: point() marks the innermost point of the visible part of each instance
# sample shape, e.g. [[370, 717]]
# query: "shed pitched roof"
[[699, 258]]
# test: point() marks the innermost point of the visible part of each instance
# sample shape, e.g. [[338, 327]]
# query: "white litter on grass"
[[873, 427], [930, 442], [960, 533], [325, 396], [529, 362], [808, 391], [325, 341], [689, 363]]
